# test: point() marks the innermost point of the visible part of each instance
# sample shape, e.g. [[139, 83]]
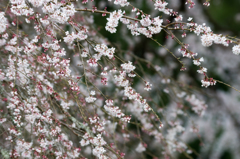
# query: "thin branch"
[[104, 12]]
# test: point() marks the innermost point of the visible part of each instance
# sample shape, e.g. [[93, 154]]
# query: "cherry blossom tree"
[[74, 83]]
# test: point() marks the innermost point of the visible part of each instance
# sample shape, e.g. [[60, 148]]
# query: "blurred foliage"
[[225, 15]]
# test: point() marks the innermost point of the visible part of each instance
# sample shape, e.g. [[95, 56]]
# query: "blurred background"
[[218, 129]]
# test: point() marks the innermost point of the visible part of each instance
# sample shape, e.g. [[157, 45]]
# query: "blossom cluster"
[[113, 21], [148, 26]]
